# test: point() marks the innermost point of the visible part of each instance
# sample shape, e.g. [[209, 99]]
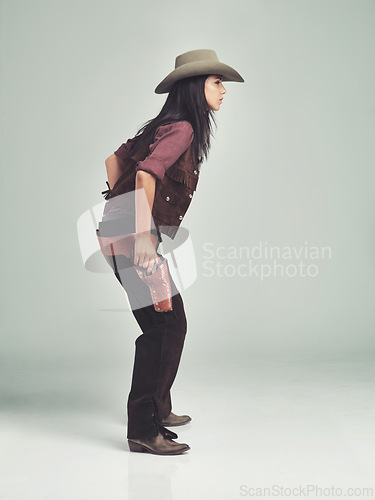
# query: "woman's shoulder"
[[180, 127], [172, 137]]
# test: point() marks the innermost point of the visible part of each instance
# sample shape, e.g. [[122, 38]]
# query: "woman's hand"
[[144, 252]]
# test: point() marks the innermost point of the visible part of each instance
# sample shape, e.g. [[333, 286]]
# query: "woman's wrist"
[[143, 234]]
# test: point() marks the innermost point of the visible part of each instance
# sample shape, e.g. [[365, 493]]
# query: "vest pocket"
[[166, 201]]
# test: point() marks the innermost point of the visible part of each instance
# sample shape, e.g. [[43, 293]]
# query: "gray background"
[[292, 163]]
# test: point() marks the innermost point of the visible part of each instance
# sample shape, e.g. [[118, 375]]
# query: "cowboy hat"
[[197, 62]]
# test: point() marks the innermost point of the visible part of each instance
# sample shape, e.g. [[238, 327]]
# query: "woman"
[[162, 162]]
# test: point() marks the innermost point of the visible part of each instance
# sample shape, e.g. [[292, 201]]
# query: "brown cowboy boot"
[[162, 444], [174, 420]]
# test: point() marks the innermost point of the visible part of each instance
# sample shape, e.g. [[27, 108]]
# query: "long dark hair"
[[186, 101]]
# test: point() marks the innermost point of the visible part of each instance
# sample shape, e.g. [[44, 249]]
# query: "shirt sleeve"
[[171, 141], [124, 150]]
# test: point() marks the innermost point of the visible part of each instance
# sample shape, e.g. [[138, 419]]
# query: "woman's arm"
[[144, 249], [144, 201], [113, 165], [116, 162]]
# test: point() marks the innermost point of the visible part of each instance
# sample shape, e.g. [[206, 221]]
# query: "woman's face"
[[214, 91]]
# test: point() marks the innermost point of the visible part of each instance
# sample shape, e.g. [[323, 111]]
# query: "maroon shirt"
[[171, 141]]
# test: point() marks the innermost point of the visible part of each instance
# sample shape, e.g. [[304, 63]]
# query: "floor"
[[261, 427]]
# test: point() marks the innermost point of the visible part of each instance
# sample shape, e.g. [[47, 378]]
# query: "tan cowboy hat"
[[197, 62]]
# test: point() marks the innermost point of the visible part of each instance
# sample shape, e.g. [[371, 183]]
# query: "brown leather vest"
[[173, 194]]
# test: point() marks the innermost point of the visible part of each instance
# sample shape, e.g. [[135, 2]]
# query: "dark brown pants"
[[157, 351]]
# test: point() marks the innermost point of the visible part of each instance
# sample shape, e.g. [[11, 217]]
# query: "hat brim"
[[196, 68]]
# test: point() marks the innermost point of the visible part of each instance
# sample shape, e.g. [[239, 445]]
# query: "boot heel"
[[135, 446]]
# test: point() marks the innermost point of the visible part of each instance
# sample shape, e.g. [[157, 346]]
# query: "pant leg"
[[172, 348], [157, 354]]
